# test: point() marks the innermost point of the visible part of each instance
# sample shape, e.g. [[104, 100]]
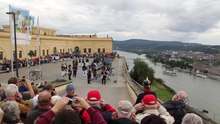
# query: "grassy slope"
[[162, 92]]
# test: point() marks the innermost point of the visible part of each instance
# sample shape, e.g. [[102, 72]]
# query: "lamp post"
[[16, 59]]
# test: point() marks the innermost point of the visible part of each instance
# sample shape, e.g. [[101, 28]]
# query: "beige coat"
[[161, 111]]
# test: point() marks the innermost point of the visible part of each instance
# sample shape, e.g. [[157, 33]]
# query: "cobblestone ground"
[[114, 90]]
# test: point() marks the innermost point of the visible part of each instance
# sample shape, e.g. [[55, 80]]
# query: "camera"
[[72, 101]]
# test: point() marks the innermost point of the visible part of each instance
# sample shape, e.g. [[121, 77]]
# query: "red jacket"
[[85, 117], [47, 117], [109, 108]]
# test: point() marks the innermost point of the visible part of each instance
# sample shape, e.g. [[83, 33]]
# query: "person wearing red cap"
[[94, 99], [150, 106]]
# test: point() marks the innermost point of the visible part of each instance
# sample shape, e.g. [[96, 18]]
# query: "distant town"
[[191, 58]]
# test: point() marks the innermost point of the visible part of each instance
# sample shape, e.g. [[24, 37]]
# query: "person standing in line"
[[74, 70], [69, 72], [65, 68], [104, 76], [87, 62], [89, 74], [76, 62], [73, 62], [95, 73], [62, 70], [84, 69], [94, 70], [83, 62], [79, 62]]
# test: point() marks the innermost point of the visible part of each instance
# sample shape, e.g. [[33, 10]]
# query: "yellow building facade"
[[49, 41]]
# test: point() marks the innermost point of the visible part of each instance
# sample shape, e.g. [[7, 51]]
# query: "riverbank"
[[212, 73], [164, 93], [209, 75], [214, 77], [202, 93]]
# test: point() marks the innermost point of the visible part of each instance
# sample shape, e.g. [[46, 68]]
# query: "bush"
[[141, 71]]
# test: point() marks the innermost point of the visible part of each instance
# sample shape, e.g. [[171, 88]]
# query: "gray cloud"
[[189, 20], [202, 16]]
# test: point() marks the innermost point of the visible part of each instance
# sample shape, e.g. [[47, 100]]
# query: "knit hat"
[[124, 107], [70, 87], [93, 96], [149, 99]]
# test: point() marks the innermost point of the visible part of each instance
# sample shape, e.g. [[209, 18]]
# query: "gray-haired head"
[[192, 118], [11, 90], [11, 112], [180, 96]]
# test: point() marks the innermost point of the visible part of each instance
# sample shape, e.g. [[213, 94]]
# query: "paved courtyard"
[[114, 90]]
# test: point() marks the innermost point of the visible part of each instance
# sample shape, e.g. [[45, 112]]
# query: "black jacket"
[[34, 114], [176, 109], [122, 121]]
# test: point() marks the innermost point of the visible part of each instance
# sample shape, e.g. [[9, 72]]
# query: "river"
[[203, 94]]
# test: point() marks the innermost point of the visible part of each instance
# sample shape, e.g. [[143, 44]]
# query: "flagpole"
[[38, 41], [16, 57], [27, 35], [11, 45]]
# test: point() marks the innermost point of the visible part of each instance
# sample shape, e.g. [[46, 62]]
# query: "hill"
[[140, 45]]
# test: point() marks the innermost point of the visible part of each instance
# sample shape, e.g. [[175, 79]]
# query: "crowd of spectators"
[[20, 103], [6, 65]]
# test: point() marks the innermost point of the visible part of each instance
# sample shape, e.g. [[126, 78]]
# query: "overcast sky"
[[195, 21]]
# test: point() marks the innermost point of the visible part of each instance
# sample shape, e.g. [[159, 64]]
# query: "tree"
[[31, 53], [141, 70]]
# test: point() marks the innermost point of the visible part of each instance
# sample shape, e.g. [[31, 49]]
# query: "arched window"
[[1, 55], [76, 49]]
